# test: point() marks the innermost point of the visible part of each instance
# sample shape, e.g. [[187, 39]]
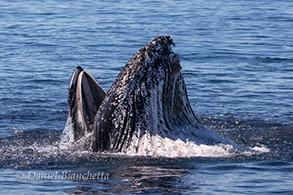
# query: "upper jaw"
[[73, 85]]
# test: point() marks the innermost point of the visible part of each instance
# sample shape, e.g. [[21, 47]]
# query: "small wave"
[[267, 60]]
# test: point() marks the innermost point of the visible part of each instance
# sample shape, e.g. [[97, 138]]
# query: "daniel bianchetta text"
[[62, 175]]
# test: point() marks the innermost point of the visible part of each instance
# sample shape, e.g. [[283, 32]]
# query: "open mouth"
[[85, 96]]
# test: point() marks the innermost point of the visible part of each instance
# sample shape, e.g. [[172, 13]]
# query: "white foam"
[[262, 149], [166, 147], [67, 139], [67, 136]]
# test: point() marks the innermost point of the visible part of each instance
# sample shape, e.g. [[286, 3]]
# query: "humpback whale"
[[146, 104]]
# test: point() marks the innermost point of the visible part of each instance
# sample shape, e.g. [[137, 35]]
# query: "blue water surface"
[[237, 59]]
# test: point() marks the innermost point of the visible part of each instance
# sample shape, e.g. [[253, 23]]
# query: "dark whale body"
[[147, 103]]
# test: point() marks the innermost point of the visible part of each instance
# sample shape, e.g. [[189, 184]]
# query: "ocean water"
[[237, 60]]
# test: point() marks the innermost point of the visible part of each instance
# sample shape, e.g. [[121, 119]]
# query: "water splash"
[[172, 147], [43, 148]]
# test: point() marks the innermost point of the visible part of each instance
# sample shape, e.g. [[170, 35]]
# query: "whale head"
[[145, 112]]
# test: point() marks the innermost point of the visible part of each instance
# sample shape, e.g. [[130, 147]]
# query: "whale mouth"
[[146, 105], [84, 97]]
